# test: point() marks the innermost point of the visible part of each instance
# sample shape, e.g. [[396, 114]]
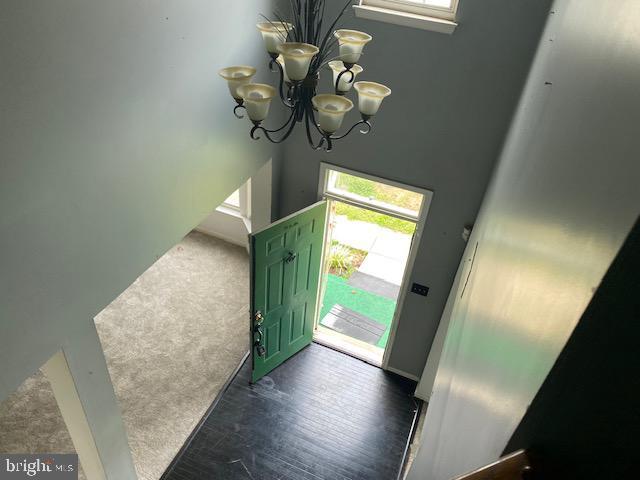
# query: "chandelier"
[[299, 50]]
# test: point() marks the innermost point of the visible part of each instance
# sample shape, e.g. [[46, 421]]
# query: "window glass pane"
[[369, 216], [233, 200], [375, 193]]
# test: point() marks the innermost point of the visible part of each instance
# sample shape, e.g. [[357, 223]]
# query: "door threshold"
[[349, 346]]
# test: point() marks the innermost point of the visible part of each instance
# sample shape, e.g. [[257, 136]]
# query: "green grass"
[[344, 260], [357, 185], [379, 191], [369, 216], [377, 308]]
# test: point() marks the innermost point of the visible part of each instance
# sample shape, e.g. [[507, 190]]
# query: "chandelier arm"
[[308, 26], [324, 137], [326, 57], [315, 124], [329, 145], [258, 128], [291, 117], [297, 12], [282, 21], [238, 107], [355, 125], [291, 89], [310, 136], [283, 97], [353, 76], [319, 27], [335, 22]]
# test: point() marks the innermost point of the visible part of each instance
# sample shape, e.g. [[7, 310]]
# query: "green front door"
[[285, 272]]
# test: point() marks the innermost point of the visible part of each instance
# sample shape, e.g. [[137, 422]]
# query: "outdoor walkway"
[[388, 250], [362, 305]]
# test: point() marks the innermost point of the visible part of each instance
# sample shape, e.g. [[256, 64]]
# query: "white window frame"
[[244, 209], [427, 198], [409, 14], [331, 191], [229, 222]]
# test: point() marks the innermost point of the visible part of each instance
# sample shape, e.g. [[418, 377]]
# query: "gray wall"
[[569, 432], [442, 129], [564, 197], [116, 138]]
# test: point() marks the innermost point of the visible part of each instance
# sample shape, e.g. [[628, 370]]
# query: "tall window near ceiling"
[[238, 202], [435, 15], [231, 220]]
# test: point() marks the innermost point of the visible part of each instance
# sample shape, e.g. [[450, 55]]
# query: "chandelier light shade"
[[370, 96], [286, 78], [351, 44], [345, 83], [300, 46], [274, 34], [331, 111], [297, 59], [236, 77], [257, 100]]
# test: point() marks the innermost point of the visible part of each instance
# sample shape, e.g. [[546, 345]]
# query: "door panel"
[[298, 322], [284, 286]]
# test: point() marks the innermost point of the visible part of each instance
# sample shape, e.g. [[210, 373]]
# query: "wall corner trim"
[[402, 373]]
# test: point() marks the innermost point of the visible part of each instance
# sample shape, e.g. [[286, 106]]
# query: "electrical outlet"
[[419, 289]]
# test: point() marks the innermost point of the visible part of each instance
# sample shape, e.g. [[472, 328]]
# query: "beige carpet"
[[31, 422], [171, 340]]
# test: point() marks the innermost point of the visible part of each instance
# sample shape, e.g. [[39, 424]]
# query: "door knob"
[[291, 257]]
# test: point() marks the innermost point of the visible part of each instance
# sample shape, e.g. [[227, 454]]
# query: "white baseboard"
[[221, 237]]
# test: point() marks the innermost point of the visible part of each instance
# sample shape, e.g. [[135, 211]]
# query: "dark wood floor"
[[320, 415]]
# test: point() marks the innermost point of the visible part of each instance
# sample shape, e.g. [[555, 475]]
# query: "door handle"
[[260, 350], [257, 330], [291, 257]]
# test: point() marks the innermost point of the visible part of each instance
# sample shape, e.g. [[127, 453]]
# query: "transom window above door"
[[434, 15], [373, 194]]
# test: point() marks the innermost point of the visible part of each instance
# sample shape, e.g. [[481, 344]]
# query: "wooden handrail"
[[509, 467]]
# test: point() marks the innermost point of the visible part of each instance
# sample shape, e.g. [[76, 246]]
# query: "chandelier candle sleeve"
[[331, 111], [257, 99], [274, 34], [236, 77], [297, 58], [351, 44], [370, 96], [346, 81]]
